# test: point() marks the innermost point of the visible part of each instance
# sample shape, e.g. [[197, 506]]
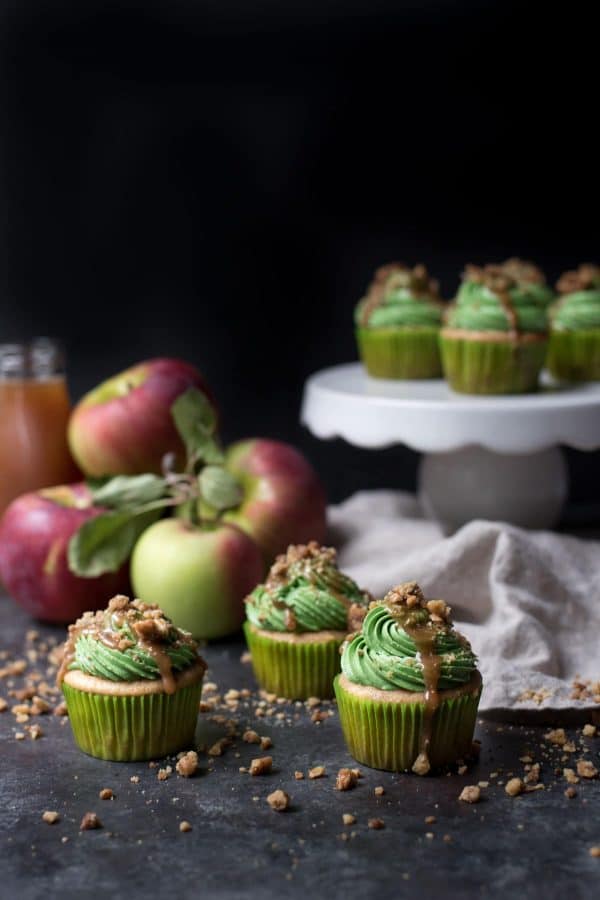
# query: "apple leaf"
[[218, 488], [196, 422], [104, 543], [128, 490]]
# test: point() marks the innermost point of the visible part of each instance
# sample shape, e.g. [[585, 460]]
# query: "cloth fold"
[[528, 601]]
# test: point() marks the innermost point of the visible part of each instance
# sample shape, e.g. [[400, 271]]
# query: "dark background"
[[217, 180]]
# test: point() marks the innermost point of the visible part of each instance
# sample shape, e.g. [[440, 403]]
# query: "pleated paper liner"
[[574, 355], [388, 734], [400, 352], [294, 669], [127, 728], [473, 366]]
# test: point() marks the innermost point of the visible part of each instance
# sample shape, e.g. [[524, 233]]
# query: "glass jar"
[[34, 412]]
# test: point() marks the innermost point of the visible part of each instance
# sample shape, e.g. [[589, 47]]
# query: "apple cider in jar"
[[34, 410]]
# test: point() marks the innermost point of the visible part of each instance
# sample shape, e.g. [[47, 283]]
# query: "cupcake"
[[495, 335], [409, 688], [297, 620], [530, 279], [397, 324], [131, 681], [574, 349]]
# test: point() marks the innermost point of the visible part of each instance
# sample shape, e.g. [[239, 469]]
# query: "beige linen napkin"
[[528, 601]]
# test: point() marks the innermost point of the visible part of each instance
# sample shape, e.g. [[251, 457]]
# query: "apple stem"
[[184, 488]]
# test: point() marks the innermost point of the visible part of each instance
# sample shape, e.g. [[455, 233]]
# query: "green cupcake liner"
[[400, 352], [474, 366], [574, 355], [387, 735], [137, 727], [292, 669]]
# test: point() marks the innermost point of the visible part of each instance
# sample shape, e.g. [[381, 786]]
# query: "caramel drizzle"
[[164, 663], [424, 636], [509, 311], [498, 280]]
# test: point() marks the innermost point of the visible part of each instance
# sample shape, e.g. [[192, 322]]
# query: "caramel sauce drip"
[[523, 271], [424, 636], [584, 278], [422, 620], [499, 280], [290, 620], [510, 312], [165, 666]]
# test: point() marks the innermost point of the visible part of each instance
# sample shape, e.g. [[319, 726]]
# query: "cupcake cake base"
[[129, 721], [492, 362], [400, 353], [389, 729], [295, 665], [575, 355]]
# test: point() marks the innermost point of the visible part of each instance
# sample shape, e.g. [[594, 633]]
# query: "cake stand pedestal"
[[484, 457]]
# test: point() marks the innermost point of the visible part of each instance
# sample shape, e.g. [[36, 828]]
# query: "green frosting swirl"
[[542, 294], [312, 595], [107, 645], [479, 308], [401, 308], [384, 656], [95, 658], [577, 311]]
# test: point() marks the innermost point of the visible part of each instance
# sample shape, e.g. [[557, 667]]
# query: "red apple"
[[124, 426], [284, 501], [198, 575], [34, 535]]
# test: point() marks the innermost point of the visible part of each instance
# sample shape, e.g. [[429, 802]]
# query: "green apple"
[[198, 574]]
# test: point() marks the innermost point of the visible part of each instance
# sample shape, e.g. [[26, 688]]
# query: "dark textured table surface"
[[535, 845]]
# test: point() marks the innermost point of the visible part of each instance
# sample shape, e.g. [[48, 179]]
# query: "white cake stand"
[[485, 457]]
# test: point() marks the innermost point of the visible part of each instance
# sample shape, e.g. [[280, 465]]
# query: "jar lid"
[[41, 358]]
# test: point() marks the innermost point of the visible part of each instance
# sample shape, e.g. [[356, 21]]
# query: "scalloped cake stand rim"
[[427, 416]]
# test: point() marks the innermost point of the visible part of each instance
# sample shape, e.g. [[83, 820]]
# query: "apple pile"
[[147, 440]]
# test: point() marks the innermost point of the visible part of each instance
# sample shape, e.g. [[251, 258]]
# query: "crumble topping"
[[90, 822], [471, 793], [187, 765], [585, 277], [494, 276], [409, 598], [262, 765], [523, 270], [514, 787], [300, 558], [50, 817], [345, 780], [278, 800]]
